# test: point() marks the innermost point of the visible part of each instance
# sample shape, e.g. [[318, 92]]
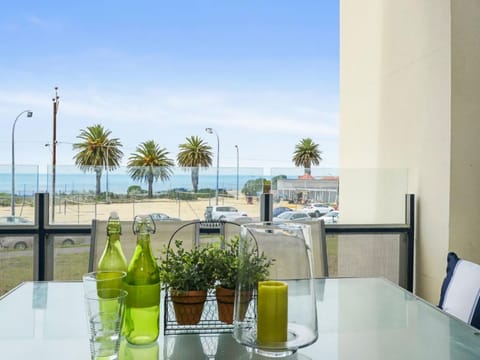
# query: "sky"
[[262, 73]]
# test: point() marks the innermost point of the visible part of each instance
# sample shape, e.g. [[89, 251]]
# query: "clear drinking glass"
[[105, 302], [282, 316], [103, 280], [105, 309]]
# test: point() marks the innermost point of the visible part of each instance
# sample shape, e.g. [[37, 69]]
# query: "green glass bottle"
[[112, 258], [145, 352], [142, 313]]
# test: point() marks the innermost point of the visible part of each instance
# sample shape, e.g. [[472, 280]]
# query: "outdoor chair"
[[194, 232], [164, 230], [460, 290], [228, 229]]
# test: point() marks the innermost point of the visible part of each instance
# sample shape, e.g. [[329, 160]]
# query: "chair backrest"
[[194, 232], [319, 248], [290, 253], [460, 292], [287, 249], [164, 230]]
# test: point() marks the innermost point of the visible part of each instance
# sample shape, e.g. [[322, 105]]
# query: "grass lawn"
[[16, 267], [71, 266], [14, 270], [332, 255]]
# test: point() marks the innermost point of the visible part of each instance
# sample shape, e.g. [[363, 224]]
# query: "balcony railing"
[[352, 250]]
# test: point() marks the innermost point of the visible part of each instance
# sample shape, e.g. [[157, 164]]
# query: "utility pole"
[[54, 149]]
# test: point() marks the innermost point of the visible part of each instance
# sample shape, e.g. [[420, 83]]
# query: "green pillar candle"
[[272, 316]]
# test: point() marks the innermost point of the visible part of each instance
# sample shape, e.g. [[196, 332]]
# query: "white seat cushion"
[[461, 290]]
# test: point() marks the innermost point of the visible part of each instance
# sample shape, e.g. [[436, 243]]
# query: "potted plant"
[[187, 274], [254, 268]]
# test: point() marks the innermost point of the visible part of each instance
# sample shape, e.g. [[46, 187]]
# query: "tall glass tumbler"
[[282, 316], [105, 306]]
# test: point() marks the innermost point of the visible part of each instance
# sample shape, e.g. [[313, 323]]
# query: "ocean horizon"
[[69, 179], [29, 184]]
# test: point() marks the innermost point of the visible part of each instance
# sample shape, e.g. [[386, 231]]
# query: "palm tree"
[[195, 153], [150, 162], [306, 153], [97, 152]]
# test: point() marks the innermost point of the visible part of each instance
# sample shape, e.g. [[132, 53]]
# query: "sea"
[[30, 179], [27, 184]]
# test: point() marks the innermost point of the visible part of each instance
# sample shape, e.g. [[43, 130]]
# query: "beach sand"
[[75, 213]]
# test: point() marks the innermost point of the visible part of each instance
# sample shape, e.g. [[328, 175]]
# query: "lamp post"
[[56, 103], [12, 200], [236, 147], [212, 131]]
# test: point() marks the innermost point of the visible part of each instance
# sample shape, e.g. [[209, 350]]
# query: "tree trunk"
[[98, 177], [150, 186], [195, 179]]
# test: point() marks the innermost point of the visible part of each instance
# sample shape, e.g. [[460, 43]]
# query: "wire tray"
[[209, 322]]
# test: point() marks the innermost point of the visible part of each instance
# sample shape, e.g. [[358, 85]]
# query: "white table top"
[[362, 318]]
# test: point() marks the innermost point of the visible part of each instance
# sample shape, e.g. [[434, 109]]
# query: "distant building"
[[308, 189]]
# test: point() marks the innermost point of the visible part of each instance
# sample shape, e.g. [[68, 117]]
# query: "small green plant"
[[233, 263], [135, 189], [184, 270]]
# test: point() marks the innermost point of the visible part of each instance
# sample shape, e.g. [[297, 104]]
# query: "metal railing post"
[[40, 250], [410, 221]]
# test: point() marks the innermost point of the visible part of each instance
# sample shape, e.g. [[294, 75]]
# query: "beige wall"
[[465, 150], [409, 91]]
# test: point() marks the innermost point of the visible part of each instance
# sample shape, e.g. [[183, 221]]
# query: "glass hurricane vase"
[[282, 316]]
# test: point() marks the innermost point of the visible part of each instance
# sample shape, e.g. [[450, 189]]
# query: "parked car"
[[244, 219], [279, 210], [292, 216], [208, 213], [230, 213], [162, 217], [24, 242], [14, 220], [331, 217], [318, 209]]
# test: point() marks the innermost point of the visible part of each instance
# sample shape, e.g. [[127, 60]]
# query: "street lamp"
[[212, 131], [12, 200], [236, 147], [56, 103]]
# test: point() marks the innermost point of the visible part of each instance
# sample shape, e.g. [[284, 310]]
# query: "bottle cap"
[[143, 224], [114, 225]]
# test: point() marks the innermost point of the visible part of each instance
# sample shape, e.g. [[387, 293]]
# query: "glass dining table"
[[358, 318]]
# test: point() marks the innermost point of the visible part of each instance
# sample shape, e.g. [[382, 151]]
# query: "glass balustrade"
[[341, 197]]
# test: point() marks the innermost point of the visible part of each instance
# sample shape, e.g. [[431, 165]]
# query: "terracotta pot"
[[225, 303], [188, 305]]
